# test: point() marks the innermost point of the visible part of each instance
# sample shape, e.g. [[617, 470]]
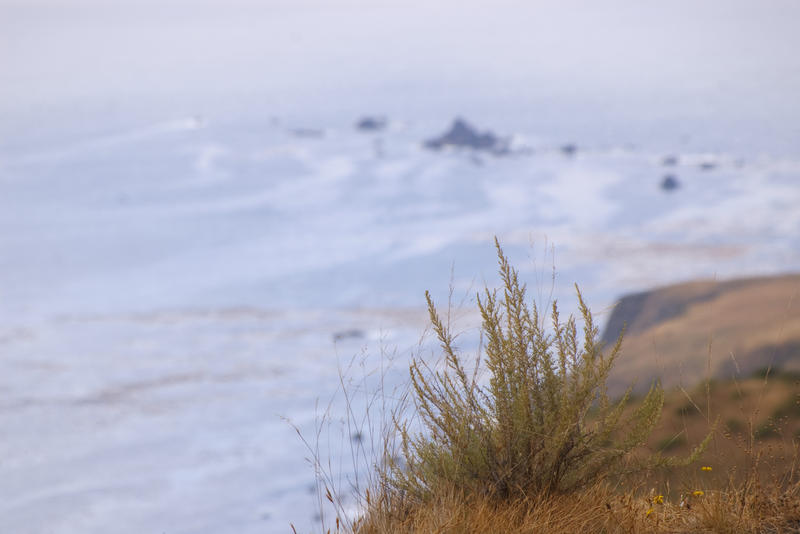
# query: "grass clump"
[[543, 423]]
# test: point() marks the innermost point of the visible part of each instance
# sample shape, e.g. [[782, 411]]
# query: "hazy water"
[[175, 259]]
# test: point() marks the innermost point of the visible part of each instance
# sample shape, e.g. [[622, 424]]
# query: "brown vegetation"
[[746, 481], [742, 325], [756, 423], [602, 509]]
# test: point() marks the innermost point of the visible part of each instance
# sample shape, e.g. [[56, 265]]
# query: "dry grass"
[[756, 320], [599, 509], [741, 487], [593, 509], [758, 426], [747, 481]]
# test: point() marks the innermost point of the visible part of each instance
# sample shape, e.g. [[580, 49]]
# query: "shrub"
[[542, 425]]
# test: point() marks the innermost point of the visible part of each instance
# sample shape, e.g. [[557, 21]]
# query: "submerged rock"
[[708, 166], [371, 124], [463, 135], [352, 333], [670, 183], [569, 149]]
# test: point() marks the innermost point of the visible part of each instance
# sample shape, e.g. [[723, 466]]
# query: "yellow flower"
[[698, 493], [650, 511], [658, 499], [705, 468]]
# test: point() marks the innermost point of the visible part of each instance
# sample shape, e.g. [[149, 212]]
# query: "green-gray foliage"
[[543, 424]]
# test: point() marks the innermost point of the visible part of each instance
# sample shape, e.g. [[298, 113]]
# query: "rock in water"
[[353, 333], [669, 161], [463, 135], [569, 149], [670, 183], [371, 124], [708, 166]]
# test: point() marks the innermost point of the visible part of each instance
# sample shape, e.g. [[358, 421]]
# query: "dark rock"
[[371, 124], [708, 166], [669, 161], [462, 135], [569, 149], [670, 183], [353, 333]]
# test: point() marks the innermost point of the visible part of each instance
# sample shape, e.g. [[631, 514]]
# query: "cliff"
[[684, 333]]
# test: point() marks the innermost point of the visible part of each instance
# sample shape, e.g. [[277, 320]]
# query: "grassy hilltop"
[[683, 333]]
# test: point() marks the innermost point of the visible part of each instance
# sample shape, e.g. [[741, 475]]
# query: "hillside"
[[754, 412], [684, 333]]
